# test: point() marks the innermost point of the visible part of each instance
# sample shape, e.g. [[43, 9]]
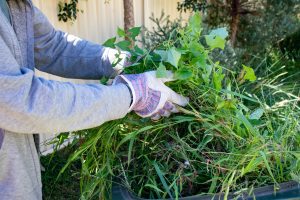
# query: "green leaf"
[[195, 24], [247, 124], [110, 42], [183, 74], [222, 32], [267, 165], [138, 50], [249, 73], [121, 32], [173, 57], [215, 42], [162, 54], [252, 165], [124, 45], [207, 139], [257, 114], [134, 32], [216, 38], [162, 179], [161, 71], [218, 77]]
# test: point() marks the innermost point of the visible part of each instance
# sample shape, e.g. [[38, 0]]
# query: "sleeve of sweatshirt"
[[65, 55], [29, 104]]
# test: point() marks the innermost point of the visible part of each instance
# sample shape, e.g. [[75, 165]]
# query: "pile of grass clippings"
[[238, 132]]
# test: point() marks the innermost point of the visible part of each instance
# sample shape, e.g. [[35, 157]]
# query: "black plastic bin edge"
[[289, 190]]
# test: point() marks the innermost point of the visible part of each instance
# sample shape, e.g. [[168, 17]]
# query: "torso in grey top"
[[30, 105]]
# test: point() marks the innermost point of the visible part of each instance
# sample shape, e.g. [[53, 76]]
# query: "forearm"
[[29, 104], [49, 106], [67, 56]]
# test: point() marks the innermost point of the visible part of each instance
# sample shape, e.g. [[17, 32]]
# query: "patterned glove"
[[150, 96]]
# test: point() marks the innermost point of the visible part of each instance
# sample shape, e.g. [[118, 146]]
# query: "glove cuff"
[[137, 84]]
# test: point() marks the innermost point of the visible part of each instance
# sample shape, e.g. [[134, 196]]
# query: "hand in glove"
[[118, 58], [150, 96]]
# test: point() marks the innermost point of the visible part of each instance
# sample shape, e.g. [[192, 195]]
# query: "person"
[[31, 105]]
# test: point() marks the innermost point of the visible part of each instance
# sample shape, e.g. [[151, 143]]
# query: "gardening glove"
[[121, 59], [150, 96]]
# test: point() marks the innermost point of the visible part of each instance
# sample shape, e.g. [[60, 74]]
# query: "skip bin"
[[288, 190]]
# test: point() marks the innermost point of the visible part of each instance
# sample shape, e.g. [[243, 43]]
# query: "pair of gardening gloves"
[[150, 96]]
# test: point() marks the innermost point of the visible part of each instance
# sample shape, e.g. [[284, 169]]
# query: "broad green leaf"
[[183, 74], [249, 73], [222, 32], [162, 54], [124, 45], [161, 71], [257, 114], [216, 38], [215, 42], [110, 42], [121, 32], [134, 32], [173, 56], [197, 49]]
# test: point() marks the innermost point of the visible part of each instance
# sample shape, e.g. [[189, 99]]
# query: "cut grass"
[[233, 136], [67, 187]]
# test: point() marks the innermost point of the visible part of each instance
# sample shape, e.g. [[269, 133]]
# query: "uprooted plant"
[[227, 139]]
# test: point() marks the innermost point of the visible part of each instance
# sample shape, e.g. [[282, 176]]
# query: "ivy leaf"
[[162, 54], [134, 32], [249, 75], [215, 42], [222, 32], [121, 32], [216, 38], [171, 56], [124, 45], [161, 71], [110, 42], [183, 74], [257, 114]]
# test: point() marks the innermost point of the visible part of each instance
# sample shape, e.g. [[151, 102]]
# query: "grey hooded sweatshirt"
[[31, 105]]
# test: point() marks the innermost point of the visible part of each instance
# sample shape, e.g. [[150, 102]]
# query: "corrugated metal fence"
[[99, 21]]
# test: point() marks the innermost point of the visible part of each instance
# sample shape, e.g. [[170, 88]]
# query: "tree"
[[128, 14], [255, 25]]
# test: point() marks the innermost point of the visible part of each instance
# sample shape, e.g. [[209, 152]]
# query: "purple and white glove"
[[150, 96]]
